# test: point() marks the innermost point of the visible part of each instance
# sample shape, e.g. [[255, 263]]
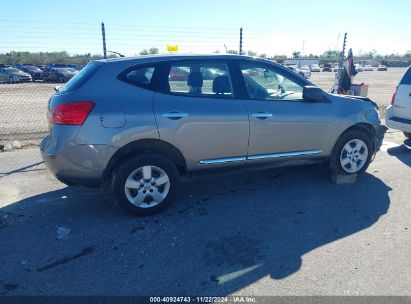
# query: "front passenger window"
[[268, 84]]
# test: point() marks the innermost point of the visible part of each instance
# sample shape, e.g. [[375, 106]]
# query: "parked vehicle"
[[35, 72], [315, 68], [12, 75], [58, 74], [381, 67], [138, 136], [327, 67], [179, 73], [304, 73], [74, 66], [368, 68], [398, 114], [359, 68]]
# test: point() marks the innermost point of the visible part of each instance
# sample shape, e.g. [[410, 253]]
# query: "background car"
[[315, 68], [35, 72], [179, 73], [398, 114], [359, 68], [74, 66], [327, 67], [368, 68], [12, 75], [58, 74], [381, 67], [304, 73]]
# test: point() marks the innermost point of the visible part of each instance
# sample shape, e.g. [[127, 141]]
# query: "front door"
[[282, 124]]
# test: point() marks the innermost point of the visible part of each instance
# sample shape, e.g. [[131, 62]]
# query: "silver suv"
[[138, 124]]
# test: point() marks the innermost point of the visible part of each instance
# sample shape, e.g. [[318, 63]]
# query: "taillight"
[[393, 97], [72, 113]]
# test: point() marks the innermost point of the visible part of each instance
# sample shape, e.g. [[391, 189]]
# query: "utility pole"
[[103, 33], [241, 41]]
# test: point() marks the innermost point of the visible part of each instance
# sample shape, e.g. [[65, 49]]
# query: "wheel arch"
[[154, 146], [363, 127]]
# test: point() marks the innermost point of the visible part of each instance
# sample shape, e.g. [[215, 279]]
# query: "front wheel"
[[352, 153], [145, 184], [407, 134], [11, 79]]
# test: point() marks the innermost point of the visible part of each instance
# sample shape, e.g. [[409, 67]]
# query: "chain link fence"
[[23, 106]]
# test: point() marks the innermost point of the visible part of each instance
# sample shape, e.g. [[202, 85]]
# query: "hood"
[[358, 98]]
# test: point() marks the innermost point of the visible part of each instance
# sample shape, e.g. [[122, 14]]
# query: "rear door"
[[198, 112], [402, 103]]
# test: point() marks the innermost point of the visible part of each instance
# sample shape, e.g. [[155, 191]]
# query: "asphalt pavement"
[[286, 231]]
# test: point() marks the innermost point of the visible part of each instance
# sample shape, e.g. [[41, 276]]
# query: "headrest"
[[142, 79], [195, 79], [221, 84]]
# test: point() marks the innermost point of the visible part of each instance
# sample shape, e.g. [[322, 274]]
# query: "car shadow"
[[222, 234], [403, 152]]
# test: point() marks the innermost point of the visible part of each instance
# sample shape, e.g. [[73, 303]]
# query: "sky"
[[270, 27]]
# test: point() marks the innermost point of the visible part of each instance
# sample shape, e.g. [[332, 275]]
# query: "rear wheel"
[[352, 153], [145, 184], [11, 79], [407, 134]]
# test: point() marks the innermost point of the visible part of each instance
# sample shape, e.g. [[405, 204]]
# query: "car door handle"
[[174, 115], [261, 115]]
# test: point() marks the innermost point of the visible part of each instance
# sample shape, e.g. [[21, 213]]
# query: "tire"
[[141, 189], [344, 163], [11, 80], [407, 134]]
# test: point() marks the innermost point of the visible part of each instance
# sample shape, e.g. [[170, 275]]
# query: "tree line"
[[40, 58]]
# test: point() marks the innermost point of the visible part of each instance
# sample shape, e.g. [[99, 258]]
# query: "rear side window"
[[407, 77], [200, 79], [80, 78]]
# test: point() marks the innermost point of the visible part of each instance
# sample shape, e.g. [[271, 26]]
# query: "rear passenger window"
[[407, 77], [140, 76], [200, 80]]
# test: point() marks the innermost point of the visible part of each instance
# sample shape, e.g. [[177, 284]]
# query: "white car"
[[359, 68], [304, 73], [398, 114], [368, 68], [315, 68]]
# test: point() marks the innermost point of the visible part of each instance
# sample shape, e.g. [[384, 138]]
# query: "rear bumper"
[[397, 123], [75, 164]]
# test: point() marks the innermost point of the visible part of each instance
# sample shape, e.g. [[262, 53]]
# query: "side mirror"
[[313, 94]]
